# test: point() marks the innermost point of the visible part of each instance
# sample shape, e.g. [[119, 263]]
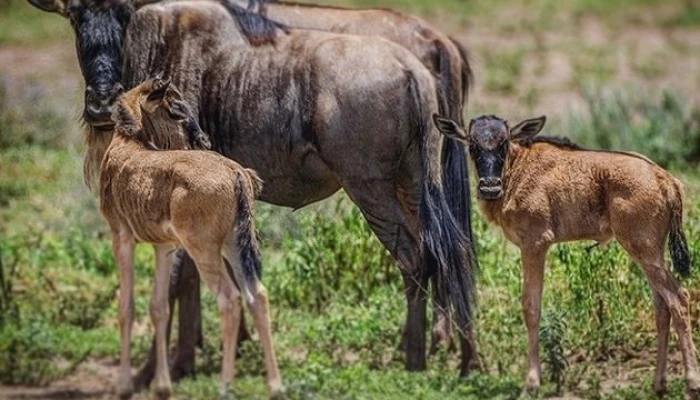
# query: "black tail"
[[248, 186], [443, 243], [455, 166], [677, 243]]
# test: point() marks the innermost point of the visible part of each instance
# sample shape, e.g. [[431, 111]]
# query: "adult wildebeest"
[[349, 112], [153, 190], [543, 190], [444, 57]]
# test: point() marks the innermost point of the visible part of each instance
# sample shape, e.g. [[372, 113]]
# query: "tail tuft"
[[677, 243], [246, 239]]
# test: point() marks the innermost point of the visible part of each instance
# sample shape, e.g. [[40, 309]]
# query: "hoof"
[[225, 394], [532, 383], [660, 388], [278, 393], [126, 392], [161, 393]]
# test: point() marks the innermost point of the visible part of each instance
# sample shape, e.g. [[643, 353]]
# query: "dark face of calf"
[[489, 139], [99, 26]]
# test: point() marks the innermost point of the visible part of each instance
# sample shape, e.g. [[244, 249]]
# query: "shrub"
[[662, 128]]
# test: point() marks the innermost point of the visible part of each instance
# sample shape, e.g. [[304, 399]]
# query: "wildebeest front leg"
[[533, 276], [124, 253], [159, 310]]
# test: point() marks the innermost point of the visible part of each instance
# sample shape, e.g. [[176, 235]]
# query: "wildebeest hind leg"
[[397, 230]]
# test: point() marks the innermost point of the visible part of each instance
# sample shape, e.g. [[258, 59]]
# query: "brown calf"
[[198, 200], [542, 191]]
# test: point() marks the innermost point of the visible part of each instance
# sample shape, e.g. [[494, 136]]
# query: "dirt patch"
[[93, 380]]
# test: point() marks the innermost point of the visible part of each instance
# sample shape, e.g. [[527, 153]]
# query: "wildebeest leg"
[[123, 248], [260, 309], [184, 287], [213, 273], [397, 230], [663, 325], [669, 288], [533, 276], [159, 310], [189, 319]]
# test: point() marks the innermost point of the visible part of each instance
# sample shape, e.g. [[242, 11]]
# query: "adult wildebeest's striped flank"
[[542, 191], [172, 198]]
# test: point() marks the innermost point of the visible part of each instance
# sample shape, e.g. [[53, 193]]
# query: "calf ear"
[[155, 98], [449, 128], [527, 128]]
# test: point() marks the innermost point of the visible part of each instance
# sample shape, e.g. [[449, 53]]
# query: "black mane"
[[257, 29], [558, 141]]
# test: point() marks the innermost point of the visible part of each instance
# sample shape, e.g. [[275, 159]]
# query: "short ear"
[[56, 6], [527, 128], [450, 128], [153, 100]]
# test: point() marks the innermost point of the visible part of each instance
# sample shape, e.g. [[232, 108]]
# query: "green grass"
[[21, 24]]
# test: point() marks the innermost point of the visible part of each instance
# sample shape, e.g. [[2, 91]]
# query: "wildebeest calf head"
[[489, 138], [156, 114]]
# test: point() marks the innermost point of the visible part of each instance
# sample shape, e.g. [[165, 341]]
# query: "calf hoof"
[[694, 386], [660, 388], [125, 392], [278, 393], [162, 393], [532, 383]]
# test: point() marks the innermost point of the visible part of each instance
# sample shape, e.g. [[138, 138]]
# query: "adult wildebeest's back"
[[439, 53]]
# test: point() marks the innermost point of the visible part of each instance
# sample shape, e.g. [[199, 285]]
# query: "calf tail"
[[677, 243], [248, 186]]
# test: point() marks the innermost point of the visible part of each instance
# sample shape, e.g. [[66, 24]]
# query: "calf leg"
[[214, 274], [677, 300], [184, 287], [159, 310], [663, 324], [533, 276], [124, 253], [260, 309]]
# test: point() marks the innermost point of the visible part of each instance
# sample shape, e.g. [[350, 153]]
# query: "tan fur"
[[179, 198], [553, 194]]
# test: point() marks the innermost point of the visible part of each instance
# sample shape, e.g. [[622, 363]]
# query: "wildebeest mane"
[[558, 141], [258, 29]]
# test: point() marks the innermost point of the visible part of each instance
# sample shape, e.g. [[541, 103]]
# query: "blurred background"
[[610, 74]]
